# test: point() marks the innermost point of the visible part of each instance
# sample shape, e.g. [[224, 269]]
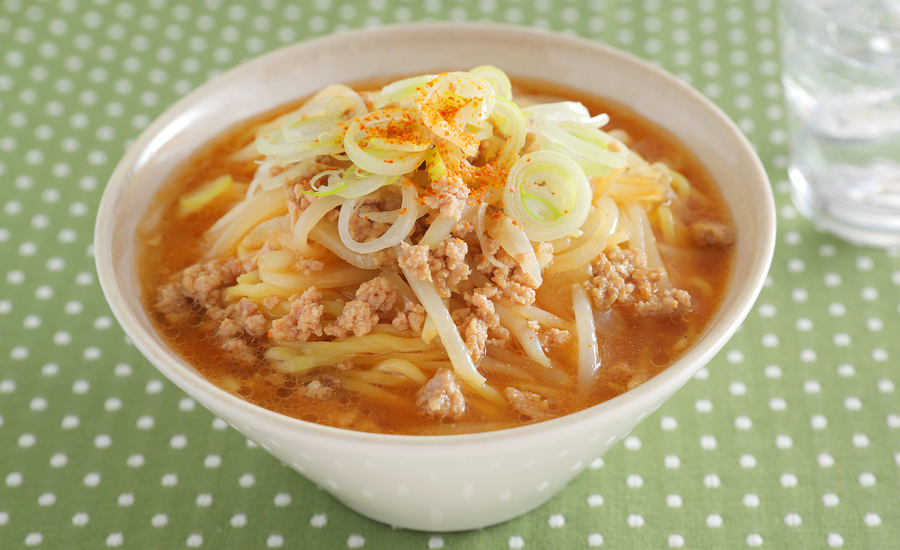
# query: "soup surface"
[[433, 258]]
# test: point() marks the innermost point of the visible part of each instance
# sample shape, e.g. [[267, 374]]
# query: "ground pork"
[[481, 300], [445, 266], [550, 337], [411, 317], [232, 335], [479, 324], [241, 351], [515, 286], [448, 195], [272, 301], [360, 316], [252, 321], [414, 259], [462, 228], [304, 320], [379, 293], [203, 283], [357, 318], [317, 389], [528, 404], [475, 335], [229, 328], [172, 304], [442, 396], [448, 265], [198, 288], [621, 277], [710, 233], [308, 266]]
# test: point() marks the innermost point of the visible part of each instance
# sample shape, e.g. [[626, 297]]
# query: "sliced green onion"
[[548, 193], [587, 146], [586, 334], [510, 121], [435, 166], [399, 90], [497, 78], [391, 161], [392, 237], [448, 90], [566, 111], [333, 185], [364, 185]]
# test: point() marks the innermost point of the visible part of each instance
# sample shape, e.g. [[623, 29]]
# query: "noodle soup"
[[445, 254]]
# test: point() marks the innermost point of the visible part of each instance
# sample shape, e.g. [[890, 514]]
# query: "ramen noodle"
[[436, 256]]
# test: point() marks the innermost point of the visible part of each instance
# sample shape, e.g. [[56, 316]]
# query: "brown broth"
[[640, 348]]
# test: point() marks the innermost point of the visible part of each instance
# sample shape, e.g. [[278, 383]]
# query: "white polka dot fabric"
[[790, 438]]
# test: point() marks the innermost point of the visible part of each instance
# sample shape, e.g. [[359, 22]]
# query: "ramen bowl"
[[453, 482]]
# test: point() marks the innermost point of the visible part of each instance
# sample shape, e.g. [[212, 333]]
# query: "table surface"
[[790, 438]]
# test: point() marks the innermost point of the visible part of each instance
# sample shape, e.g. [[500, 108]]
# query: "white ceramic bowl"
[[443, 483]]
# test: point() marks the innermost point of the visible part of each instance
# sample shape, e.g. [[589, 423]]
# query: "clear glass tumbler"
[[841, 74]]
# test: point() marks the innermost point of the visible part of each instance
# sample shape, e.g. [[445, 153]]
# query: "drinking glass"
[[841, 74]]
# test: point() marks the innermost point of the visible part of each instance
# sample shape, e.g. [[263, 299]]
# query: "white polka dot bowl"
[[442, 483]]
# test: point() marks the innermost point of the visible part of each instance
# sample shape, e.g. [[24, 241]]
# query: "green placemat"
[[789, 439]]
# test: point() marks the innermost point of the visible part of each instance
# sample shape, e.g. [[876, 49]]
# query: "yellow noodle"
[[277, 260], [491, 364], [257, 292], [403, 367], [701, 284], [368, 343], [288, 360], [666, 224], [383, 396], [379, 378], [333, 277]]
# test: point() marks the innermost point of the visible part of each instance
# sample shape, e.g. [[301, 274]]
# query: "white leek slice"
[[586, 333], [571, 111], [451, 102], [392, 237], [608, 214], [400, 90], [497, 78], [310, 217], [526, 336], [513, 240], [548, 193], [510, 121], [395, 132], [437, 311], [587, 146]]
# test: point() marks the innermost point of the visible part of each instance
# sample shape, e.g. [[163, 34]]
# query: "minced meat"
[[621, 277], [529, 404], [304, 320], [515, 285], [448, 195], [442, 396], [445, 265], [411, 317], [710, 233]]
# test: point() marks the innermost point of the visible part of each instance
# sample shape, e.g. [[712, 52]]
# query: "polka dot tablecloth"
[[790, 438]]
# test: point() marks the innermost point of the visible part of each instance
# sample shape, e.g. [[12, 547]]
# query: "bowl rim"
[[657, 389]]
